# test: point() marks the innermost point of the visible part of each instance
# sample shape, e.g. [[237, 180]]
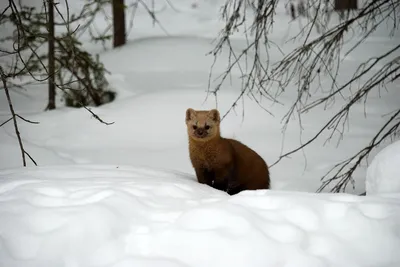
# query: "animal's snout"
[[200, 131]]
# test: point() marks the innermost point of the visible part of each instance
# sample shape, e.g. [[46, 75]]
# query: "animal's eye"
[[207, 127], [194, 127]]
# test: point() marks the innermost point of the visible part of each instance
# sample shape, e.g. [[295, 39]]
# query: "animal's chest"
[[205, 157]]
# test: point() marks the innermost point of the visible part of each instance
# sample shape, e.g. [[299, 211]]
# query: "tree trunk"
[[51, 67], [341, 5], [119, 22]]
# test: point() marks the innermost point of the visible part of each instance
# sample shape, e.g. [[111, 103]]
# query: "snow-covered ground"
[[126, 195], [126, 216]]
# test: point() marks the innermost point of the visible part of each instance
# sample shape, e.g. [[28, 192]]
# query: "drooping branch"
[[14, 118], [342, 172], [384, 75], [315, 59]]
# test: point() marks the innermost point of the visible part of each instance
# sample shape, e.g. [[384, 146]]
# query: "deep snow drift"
[[383, 175], [123, 216]]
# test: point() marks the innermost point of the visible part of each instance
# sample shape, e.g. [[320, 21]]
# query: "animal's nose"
[[200, 131]]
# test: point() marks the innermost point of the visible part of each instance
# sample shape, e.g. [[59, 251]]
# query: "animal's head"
[[202, 125]]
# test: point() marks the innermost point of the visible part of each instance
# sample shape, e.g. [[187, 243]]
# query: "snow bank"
[[125, 216], [383, 175]]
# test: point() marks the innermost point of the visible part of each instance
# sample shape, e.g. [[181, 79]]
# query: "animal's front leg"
[[204, 176], [222, 178], [235, 188]]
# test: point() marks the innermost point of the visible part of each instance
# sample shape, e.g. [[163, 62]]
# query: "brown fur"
[[222, 163]]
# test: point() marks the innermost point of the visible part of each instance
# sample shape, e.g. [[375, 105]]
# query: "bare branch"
[[318, 58], [26, 120], [343, 176], [14, 115], [6, 122]]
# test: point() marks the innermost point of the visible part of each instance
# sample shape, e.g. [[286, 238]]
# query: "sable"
[[222, 163]]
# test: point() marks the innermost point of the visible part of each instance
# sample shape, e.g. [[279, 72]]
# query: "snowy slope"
[[149, 128], [158, 75], [123, 216]]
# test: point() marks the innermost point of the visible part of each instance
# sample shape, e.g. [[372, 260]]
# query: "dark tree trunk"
[[119, 22], [52, 88], [341, 5]]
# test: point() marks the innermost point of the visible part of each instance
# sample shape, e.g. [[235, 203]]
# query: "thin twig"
[[318, 58], [14, 118], [6, 122]]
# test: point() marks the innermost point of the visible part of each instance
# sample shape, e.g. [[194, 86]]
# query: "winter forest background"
[[94, 166]]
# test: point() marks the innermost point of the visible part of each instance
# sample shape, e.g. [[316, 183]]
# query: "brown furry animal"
[[222, 163]]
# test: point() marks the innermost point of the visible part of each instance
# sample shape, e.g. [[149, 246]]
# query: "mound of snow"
[[125, 216], [383, 175]]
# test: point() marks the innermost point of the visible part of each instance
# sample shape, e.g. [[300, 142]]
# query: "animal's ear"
[[214, 115], [190, 114]]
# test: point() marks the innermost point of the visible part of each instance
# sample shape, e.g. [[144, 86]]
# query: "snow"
[[126, 194], [383, 175], [93, 215]]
